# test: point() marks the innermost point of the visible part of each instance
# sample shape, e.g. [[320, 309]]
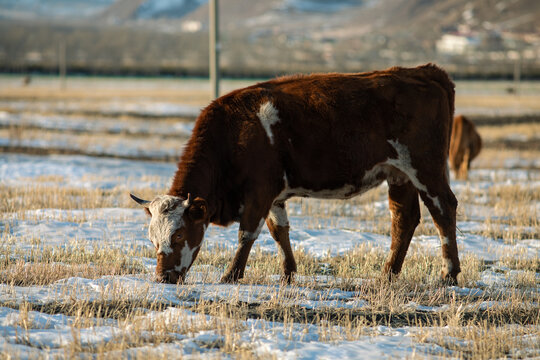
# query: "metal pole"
[[62, 63], [214, 48], [517, 73]]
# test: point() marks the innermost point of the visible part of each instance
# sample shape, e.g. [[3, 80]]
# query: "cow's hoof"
[[229, 279], [391, 276], [287, 279], [449, 280]]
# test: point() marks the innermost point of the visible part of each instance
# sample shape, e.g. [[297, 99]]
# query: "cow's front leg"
[[278, 224], [249, 231]]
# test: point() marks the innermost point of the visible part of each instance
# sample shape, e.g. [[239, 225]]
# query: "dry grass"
[[25, 274], [497, 132], [102, 93], [49, 193], [479, 341], [495, 101], [88, 93], [44, 265], [197, 91], [513, 213], [491, 158]]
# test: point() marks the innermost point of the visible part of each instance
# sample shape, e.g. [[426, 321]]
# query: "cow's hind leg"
[[405, 211], [278, 224], [431, 182], [442, 205], [465, 165]]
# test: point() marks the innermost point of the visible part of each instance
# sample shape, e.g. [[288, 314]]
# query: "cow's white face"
[[176, 230]]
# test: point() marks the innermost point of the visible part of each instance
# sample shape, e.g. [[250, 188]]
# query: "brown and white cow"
[[465, 145], [330, 136]]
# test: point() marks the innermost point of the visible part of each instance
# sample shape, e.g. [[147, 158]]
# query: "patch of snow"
[[320, 6], [107, 125], [167, 8], [112, 108], [85, 171]]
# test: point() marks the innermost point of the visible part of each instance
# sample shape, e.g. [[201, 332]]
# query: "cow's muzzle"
[[170, 277]]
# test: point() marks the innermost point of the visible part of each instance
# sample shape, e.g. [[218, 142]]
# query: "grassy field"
[[76, 268]]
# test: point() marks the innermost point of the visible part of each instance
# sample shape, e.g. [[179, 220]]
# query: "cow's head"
[[176, 230]]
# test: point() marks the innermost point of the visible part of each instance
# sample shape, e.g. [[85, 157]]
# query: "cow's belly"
[[346, 192], [370, 179]]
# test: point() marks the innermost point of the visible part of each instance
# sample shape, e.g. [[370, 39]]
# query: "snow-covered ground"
[[47, 335], [278, 340], [114, 107], [101, 125]]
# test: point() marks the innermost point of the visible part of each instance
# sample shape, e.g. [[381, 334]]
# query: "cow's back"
[[332, 127]]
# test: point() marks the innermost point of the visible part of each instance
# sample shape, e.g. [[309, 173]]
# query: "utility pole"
[[517, 73], [214, 48], [62, 63]]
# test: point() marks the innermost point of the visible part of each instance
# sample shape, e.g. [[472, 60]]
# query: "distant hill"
[[125, 10], [121, 10], [51, 9], [503, 14], [272, 36]]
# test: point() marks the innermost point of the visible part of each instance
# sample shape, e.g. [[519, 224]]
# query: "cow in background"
[[331, 136], [465, 144]]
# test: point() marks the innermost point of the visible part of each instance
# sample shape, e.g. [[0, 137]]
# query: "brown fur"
[[335, 131], [465, 145]]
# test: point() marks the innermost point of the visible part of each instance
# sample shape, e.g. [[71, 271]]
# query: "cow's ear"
[[197, 211], [147, 211]]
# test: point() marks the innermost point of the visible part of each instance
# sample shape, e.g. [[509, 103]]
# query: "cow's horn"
[[187, 202], [139, 201]]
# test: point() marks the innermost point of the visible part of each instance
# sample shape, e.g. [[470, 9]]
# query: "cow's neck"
[[201, 173], [194, 180], [195, 176]]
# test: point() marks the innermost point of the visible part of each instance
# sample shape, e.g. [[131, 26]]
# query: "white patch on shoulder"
[[404, 164], [268, 115], [167, 212], [278, 216], [186, 257]]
